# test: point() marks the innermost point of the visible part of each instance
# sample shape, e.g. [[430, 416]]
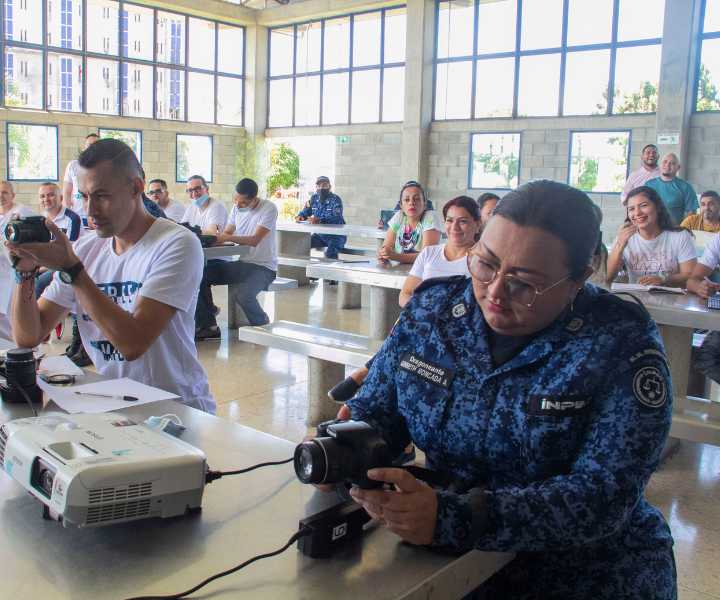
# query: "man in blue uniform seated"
[[325, 208], [544, 400]]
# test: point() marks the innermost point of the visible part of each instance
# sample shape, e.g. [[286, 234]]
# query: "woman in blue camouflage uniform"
[[546, 403]]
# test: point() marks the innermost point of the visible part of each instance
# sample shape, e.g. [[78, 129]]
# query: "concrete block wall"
[[158, 149], [544, 150], [703, 160]]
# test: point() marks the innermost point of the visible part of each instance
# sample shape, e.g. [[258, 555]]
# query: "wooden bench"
[[236, 316], [327, 350]]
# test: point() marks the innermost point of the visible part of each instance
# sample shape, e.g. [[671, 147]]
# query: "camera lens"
[[11, 233], [20, 367], [310, 462]]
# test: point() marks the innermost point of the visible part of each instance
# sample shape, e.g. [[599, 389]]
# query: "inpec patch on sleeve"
[[558, 406], [429, 371], [650, 387]]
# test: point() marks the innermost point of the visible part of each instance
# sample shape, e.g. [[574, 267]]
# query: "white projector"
[[99, 469]]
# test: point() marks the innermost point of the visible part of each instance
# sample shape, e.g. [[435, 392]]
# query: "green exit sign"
[[343, 139]]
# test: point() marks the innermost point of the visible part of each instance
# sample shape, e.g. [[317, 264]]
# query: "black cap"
[[322, 179]]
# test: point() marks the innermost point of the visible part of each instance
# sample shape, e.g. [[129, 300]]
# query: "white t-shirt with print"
[[71, 176], [7, 273], [432, 263], [212, 214], [659, 256], [166, 265], [246, 223], [175, 211], [410, 239]]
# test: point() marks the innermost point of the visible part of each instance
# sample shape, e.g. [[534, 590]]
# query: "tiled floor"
[[265, 389]]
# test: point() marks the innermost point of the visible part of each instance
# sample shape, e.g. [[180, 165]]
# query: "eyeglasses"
[[156, 192], [195, 190], [518, 291]]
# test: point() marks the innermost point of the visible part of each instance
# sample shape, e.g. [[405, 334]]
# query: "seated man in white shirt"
[[700, 282], [133, 284], [158, 192], [252, 223]]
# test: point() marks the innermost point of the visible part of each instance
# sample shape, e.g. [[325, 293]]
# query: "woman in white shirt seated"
[[462, 224], [652, 249]]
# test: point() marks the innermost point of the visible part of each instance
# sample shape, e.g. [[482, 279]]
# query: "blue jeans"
[[334, 243], [254, 279]]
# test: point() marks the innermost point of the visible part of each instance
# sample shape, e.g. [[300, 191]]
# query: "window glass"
[[307, 101], [453, 83], [494, 160], [194, 156], [637, 72], [589, 22], [307, 58], [586, 82], [170, 94], [64, 22], [22, 19], [337, 44], [712, 16], [640, 20], [366, 39], [598, 160], [230, 49], [393, 99], [395, 28], [131, 137], [64, 82], [280, 110], [495, 81], [102, 80], [170, 38], [102, 37], [455, 28], [201, 97], [136, 90], [32, 152], [136, 32], [281, 51], [23, 78], [201, 44], [496, 26], [539, 85], [709, 76], [541, 24], [229, 101], [335, 99], [365, 96]]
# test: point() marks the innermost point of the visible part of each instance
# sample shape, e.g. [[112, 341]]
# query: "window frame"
[[350, 69], [212, 155], [595, 130], [563, 50], [470, 153], [701, 37], [57, 150], [121, 60]]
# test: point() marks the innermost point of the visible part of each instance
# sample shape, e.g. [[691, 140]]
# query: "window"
[[599, 160], [532, 58], [32, 152], [346, 69], [494, 160], [150, 55], [193, 156], [131, 137], [708, 70]]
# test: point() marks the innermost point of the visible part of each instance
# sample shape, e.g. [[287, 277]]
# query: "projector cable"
[[211, 476], [302, 532]]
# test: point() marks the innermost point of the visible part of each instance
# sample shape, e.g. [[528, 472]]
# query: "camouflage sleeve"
[[306, 211], [333, 213], [628, 426]]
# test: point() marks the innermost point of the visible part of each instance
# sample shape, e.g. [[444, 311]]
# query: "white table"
[[224, 251]]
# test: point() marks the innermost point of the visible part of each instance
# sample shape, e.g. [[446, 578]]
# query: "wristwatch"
[[70, 274]]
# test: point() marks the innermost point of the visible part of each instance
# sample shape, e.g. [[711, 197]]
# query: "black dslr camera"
[[206, 240], [24, 230], [342, 452]]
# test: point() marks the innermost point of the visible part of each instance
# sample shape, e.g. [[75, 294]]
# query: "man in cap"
[[324, 207]]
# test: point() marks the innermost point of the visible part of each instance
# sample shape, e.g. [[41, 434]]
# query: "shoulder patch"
[[650, 387]]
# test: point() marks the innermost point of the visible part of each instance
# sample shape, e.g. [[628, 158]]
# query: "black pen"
[[112, 397]]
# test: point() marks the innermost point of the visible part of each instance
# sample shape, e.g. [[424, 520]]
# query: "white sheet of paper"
[[60, 365], [66, 398]]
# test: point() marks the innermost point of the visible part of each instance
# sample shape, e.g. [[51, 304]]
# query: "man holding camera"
[[133, 285]]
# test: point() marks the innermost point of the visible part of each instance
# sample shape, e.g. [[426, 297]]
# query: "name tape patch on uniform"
[[429, 371], [558, 406], [649, 387]]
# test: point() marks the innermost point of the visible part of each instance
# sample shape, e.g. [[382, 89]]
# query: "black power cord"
[[211, 476], [302, 532], [12, 384]]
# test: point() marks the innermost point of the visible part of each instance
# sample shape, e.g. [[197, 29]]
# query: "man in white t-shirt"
[[158, 192], [207, 213], [699, 282], [71, 194], [9, 209], [252, 223], [133, 284]]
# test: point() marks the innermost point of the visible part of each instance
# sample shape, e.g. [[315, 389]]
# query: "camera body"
[[206, 240], [24, 230], [342, 452]]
